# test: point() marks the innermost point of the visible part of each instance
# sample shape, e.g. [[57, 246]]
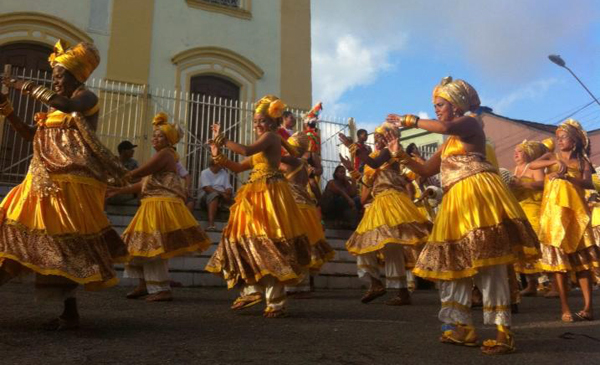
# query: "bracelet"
[[402, 156], [409, 120], [6, 108], [219, 159], [27, 87], [220, 140], [43, 94]]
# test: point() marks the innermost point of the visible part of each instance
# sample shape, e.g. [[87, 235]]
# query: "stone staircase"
[[340, 273]]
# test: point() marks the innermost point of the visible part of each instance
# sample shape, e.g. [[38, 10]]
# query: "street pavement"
[[332, 327]]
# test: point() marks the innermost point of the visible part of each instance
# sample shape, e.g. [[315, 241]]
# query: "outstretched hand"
[[344, 139], [346, 163], [394, 119]]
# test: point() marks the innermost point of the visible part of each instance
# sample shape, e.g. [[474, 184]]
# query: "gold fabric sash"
[[455, 168]]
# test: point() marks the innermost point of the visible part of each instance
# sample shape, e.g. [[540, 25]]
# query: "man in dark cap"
[[126, 151]]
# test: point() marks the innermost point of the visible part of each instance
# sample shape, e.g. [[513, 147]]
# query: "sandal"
[[452, 335], [494, 347], [403, 298], [583, 316], [274, 313], [371, 295], [567, 318], [161, 296], [246, 301], [137, 293]]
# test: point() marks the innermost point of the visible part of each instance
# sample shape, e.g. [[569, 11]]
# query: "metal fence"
[[126, 113]]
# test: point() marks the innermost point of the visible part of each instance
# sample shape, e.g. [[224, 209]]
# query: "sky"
[[374, 57]]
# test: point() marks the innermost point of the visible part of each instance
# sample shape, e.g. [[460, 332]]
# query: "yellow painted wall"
[[296, 84], [131, 41]]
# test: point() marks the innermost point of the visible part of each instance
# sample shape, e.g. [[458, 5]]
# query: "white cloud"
[[529, 92], [423, 115], [349, 49]]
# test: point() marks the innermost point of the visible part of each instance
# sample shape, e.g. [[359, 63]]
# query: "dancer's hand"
[[562, 169], [346, 163], [394, 119], [216, 129], [110, 192], [214, 150], [344, 139], [393, 144], [13, 83]]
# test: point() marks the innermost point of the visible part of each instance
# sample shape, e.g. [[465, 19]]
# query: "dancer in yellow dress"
[[528, 187], [479, 228], [262, 247], [391, 222], [53, 222], [162, 227], [566, 236], [296, 172]]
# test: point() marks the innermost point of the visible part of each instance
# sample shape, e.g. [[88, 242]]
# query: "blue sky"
[[374, 57]]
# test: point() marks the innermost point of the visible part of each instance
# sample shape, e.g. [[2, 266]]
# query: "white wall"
[[179, 27]]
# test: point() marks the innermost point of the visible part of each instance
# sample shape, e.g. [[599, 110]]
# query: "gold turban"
[[171, 131], [300, 142], [270, 106], [576, 132], [80, 60], [459, 93], [533, 149]]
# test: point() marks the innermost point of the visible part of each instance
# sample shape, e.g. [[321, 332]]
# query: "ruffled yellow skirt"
[[392, 218], [66, 234], [164, 227], [566, 235], [262, 237], [320, 251], [479, 224]]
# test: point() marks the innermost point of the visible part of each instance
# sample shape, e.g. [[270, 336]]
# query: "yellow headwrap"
[[459, 93], [171, 131], [533, 149], [576, 132], [80, 60], [300, 142], [383, 128], [270, 106]]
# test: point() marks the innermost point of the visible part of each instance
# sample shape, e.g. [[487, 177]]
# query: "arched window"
[[29, 61]]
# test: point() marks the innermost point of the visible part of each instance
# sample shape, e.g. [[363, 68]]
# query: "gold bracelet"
[[219, 159], [27, 87], [220, 140], [409, 120], [353, 148], [6, 108], [43, 94]]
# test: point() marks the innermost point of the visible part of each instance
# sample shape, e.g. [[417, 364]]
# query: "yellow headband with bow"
[[270, 106], [80, 60], [459, 93], [171, 131]]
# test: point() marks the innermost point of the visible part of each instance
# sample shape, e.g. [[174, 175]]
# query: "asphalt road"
[[333, 327]]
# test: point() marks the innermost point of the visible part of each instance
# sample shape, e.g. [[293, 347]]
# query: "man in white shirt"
[[216, 190]]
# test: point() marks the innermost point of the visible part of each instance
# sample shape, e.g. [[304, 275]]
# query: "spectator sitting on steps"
[[216, 191]]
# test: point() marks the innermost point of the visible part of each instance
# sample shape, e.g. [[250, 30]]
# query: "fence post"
[[352, 128]]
